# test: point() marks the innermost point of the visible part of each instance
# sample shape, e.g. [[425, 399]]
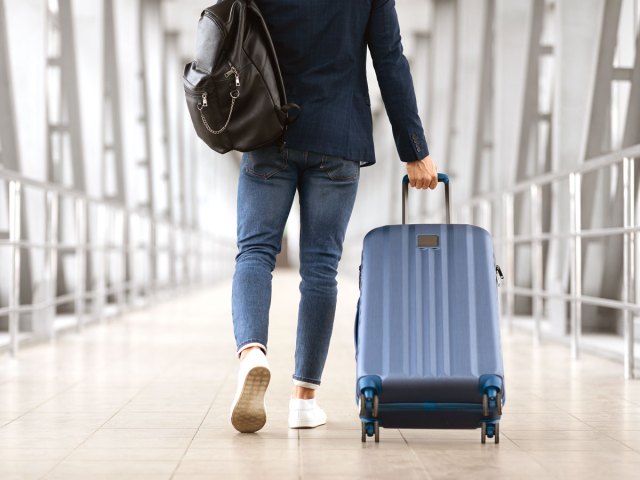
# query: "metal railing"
[[503, 203], [191, 257]]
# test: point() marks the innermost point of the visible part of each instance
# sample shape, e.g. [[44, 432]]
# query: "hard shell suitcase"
[[427, 330]]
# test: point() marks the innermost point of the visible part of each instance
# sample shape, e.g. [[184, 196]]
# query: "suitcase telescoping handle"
[[442, 178]]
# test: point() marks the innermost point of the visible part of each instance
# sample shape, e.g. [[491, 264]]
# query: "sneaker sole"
[[305, 424], [248, 414]]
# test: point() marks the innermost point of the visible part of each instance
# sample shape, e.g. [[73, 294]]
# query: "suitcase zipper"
[[499, 275]]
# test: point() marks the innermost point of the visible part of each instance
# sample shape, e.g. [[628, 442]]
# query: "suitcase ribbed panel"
[[428, 317]]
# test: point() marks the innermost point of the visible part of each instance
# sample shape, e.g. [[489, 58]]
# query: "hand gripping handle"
[[442, 178]]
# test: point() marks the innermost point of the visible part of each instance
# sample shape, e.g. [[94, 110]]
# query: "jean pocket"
[[339, 169], [265, 162]]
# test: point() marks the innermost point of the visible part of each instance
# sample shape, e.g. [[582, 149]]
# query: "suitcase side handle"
[[442, 178]]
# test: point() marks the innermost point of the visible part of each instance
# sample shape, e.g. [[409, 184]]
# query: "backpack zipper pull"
[[204, 100], [233, 71]]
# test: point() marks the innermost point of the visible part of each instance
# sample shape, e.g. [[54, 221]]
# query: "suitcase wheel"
[[491, 430], [369, 404], [370, 429], [491, 399]]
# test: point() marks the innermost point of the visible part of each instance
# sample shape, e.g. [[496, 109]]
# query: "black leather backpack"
[[234, 88]]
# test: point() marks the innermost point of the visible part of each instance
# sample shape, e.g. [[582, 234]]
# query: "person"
[[321, 47]]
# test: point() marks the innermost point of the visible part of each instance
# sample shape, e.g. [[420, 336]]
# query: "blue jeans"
[[327, 189]]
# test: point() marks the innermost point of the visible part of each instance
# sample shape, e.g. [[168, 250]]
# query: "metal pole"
[[487, 215], [578, 254], [509, 247], [173, 282], [51, 261], [122, 260], [573, 248], [129, 255], [199, 260], [81, 240], [99, 299], [152, 256], [46, 274], [108, 244], [536, 260], [189, 257], [632, 265], [628, 179], [14, 239]]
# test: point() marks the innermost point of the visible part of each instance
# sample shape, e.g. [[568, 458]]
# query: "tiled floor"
[[147, 397]]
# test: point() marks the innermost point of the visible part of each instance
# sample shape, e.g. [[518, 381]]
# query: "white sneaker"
[[305, 413], [248, 411]]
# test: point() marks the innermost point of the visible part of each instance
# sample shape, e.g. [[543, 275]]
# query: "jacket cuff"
[[413, 147]]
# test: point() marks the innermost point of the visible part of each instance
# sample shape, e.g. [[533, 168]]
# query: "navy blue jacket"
[[322, 51]]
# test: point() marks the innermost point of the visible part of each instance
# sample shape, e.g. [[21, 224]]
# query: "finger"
[[434, 183], [410, 179]]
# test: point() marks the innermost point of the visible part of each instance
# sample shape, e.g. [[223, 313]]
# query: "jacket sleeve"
[[396, 83]]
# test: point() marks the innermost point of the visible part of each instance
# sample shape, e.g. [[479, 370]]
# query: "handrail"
[[591, 165], [10, 175], [114, 249], [502, 205]]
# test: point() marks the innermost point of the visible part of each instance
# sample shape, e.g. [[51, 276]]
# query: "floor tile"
[[147, 396]]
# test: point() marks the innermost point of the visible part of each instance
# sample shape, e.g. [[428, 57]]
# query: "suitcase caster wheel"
[[369, 429], [486, 402], [376, 429], [491, 430], [369, 404]]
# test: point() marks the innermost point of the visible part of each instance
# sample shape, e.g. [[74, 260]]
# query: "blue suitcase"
[[427, 328]]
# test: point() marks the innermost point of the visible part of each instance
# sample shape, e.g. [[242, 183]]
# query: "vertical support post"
[[536, 260], [153, 255], [628, 182], [51, 261], [200, 256], [122, 262], [108, 249], [99, 299], [81, 259], [129, 255], [509, 256], [14, 240], [193, 273], [173, 282], [487, 219], [575, 252]]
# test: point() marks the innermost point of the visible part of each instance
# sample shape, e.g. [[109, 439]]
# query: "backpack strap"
[[288, 108], [272, 49]]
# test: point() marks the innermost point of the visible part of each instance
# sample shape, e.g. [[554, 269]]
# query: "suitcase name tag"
[[428, 241]]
